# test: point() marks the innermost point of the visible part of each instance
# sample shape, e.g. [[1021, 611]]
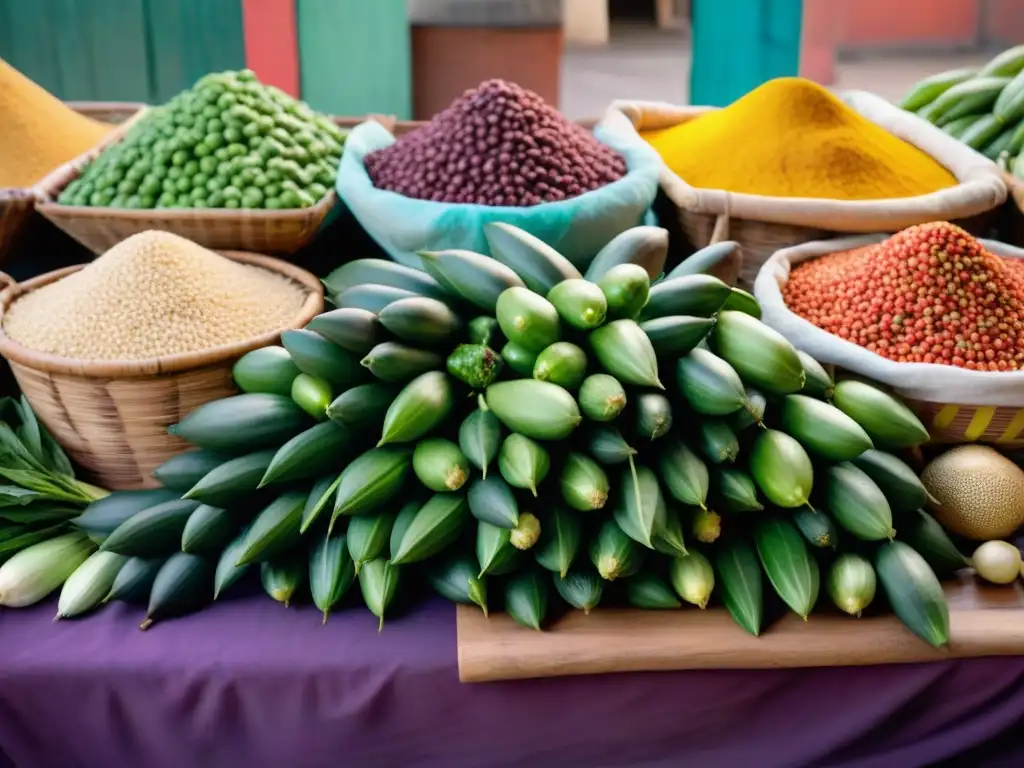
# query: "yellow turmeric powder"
[[793, 138], [38, 132]]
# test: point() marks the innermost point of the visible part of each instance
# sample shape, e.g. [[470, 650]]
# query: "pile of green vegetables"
[[512, 432], [228, 142], [983, 108]]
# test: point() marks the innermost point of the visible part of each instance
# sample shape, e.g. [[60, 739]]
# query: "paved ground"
[[648, 64]]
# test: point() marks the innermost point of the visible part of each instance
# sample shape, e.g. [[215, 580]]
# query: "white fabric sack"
[[929, 382]]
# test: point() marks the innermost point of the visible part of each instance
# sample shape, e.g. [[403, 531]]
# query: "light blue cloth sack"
[[576, 228]]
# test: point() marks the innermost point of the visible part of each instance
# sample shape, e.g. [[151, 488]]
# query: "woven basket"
[[112, 417], [112, 112]]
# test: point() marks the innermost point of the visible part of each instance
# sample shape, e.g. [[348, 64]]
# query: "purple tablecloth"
[[253, 684]]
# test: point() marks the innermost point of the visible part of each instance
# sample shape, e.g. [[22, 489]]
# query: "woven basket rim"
[[165, 364], [325, 203]]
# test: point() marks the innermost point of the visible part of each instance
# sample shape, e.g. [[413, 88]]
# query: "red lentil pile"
[[929, 294]]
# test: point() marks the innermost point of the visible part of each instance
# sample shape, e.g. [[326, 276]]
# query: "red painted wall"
[[271, 42]]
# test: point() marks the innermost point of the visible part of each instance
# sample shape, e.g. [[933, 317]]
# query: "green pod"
[[103, 516], [782, 469], [752, 412], [519, 359], [930, 88], [153, 532], [653, 415], [383, 272], [282, 578], [492, 501], [790, 568], [684, 474], [823, 428], [649, 592], [625, 288], [583, 483], [676, 335], [275, 530], [494, 550], [562, 363], [368, 537], [644, 245], [857, 503], [972, 97], [523, 463], [477, 278], [228, 571], [88, 584], [352, 329], [601, 397], [735, 490], [922, 532], [312, 394], [641, 510], [625, 352], [475, 365], [331, 572], [957, 127], [851, 583], [559, 541], [480, 438], [1009, 63], [440, 465], [526, 533], [742, 588], [693, 578], [696, 295], [378, 581], [267, 370], [888, 422], [706, 525], [362, 406], [914, 592], [405, 517], [536, 409], [526, 598], [372, 297], [320, 495], [817, 382], [422, 404], [899, 483], [741, 301], [436, 525], [539, 265], [181, 472], [984, 130], [134, 580], [457, 578], [232, 480], [485, 330], [397, 363], [579, 303], [371, 480], [527, 319], [614, 554], [318, 450], [817, 528], [242, 423], [582, 589], [315, 355], [1000, 143], [707, 260], [208, 530], [183, 584], [607, 445], [761, 356], [718, 442], [669, 539], [421, 321], [709, 384]]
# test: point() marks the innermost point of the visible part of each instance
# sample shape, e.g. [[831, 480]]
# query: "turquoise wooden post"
[[355, 56], [740, 44]]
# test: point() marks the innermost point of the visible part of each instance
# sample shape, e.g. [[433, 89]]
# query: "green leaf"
[[48, 486], [55, 456], [29, 432], [16, 496], [13, 453], [39, 513], [27, 539]]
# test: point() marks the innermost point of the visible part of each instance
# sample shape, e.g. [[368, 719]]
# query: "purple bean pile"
[[498, 144]]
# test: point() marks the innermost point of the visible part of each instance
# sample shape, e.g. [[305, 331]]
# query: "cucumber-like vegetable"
[[742, 588], [36, 571], [625, 288], [475, 365], [397, 363], [601, 397], [851, 583], [242, 424], [959, 126], [641, 509], [371, 480], [857, 503], [134, 580], [930, 88], [625, 352], [734, 490], [817, 528], [494, 550], [331, 572], [676, 335], [823, 428], [752, 412], [405, 517], [782, 469], [888, 422], [183, 584], [181, 472], [793, 573], [562, 363], [1007, 64], [436, 525], [536, 409], [583, 483], [282, 578], [492, 501], [312, 394], [582, 589], [315, 355], [653, 415], [526, 597], [899, 483], [440, 465], [527, 319], [153, 532], [644, 246], [369, 537], [267, 370], [360, 272], [741, 301], [378, 581], [693, 578], [669, 539], [275, 530], [421, 321], [477, 278], [539, 265], [1009, 107], [523, 463], [362, 406], [422, 404], [1000, 143], [372, 297], [987, 128], [103, 516], [579, 303], [709, 384], [320, 495], [88, 584], [684, 474], [817, 382], [922, 532], [614, 554], [208, 530], [607, 445], [456, 578], [761, 356], [480, 438], [485, 330], [718, 442], [352, 329], [519, 359], [559, 541], [228, 571], [698, 295], [913, 591], [971, 97], [232, 480], [650, 592]]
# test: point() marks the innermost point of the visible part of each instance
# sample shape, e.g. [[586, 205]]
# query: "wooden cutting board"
[[984, 621]]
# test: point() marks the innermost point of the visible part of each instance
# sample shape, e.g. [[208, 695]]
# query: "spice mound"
[[793, 138], [496, 145], [153, 294], [929, 294], [38, 133]]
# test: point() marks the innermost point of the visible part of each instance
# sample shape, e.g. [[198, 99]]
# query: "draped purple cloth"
[[250, 684]]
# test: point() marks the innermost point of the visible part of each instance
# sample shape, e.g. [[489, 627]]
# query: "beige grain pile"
[[153, 294]]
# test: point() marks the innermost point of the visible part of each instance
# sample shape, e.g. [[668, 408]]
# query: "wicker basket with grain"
[[112, 416], [763, 225]]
